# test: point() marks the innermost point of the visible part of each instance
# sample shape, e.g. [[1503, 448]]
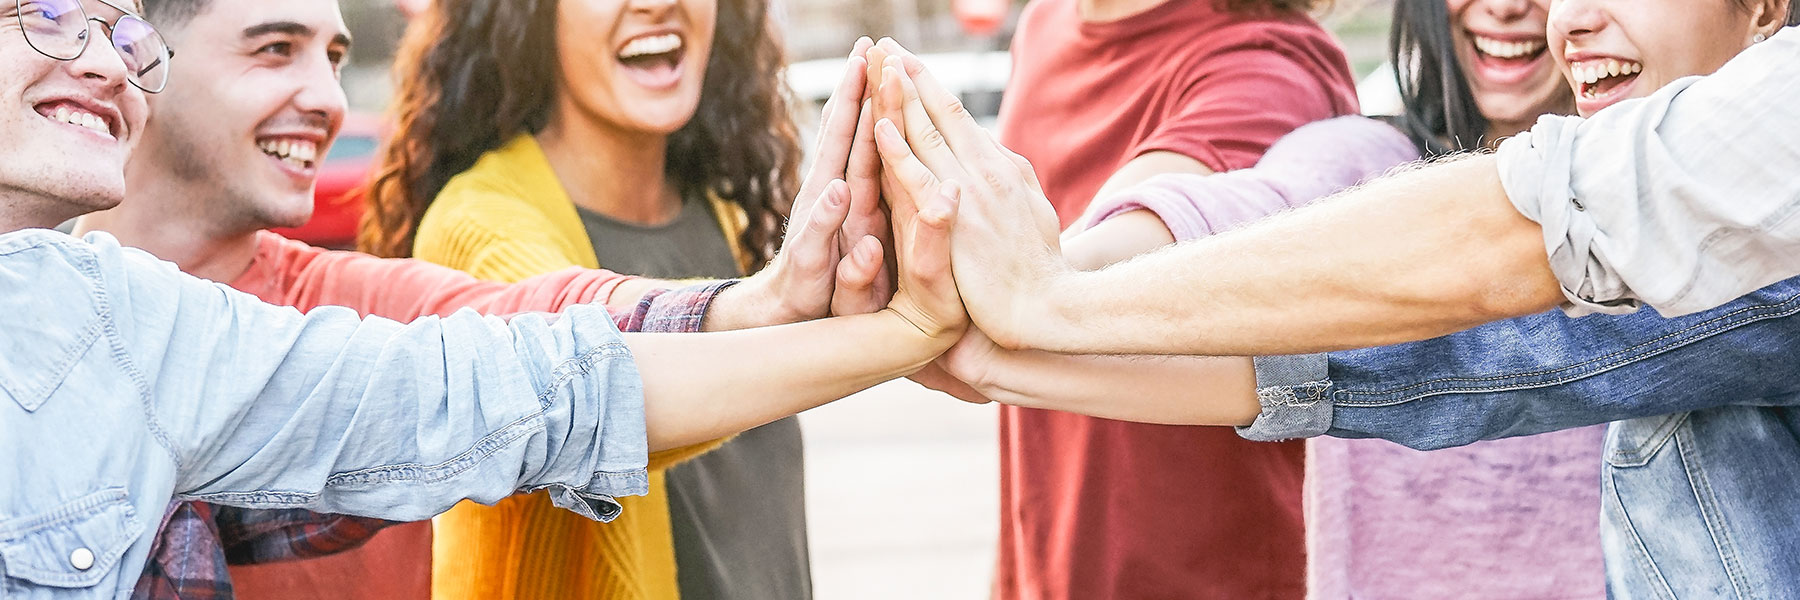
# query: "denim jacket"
[[125, 383], [1699, 498]]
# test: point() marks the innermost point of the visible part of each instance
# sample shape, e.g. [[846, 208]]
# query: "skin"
[[1162, 389], [67, 170], [267, 70], [1670, 38], [824, 359], [1383, 264]]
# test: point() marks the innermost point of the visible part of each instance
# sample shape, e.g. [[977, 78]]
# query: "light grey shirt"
[[125, 383], [1684, 200]]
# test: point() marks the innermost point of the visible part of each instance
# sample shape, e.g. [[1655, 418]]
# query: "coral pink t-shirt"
[[1093, 508], [396, 563]]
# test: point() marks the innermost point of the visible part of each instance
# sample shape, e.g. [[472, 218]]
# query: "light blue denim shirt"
[[1698, 494], [1682, 200], [125, 383]]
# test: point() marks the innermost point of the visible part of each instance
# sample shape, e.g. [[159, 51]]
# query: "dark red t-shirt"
[[1094, 508]]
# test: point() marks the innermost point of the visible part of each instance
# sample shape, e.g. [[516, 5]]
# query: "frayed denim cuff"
[[1295, 394]]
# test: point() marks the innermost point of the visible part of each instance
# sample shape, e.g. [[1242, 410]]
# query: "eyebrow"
[[292, 28]]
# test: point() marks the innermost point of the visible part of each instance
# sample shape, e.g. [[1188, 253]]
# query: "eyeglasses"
[[60, 29]]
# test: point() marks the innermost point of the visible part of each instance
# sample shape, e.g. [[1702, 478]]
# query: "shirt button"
[[82, 559], [1577, 203]]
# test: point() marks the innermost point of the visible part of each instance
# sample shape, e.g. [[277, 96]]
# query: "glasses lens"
[[144, 52], [57, 28]]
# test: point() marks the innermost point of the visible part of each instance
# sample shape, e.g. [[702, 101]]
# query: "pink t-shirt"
[[1501, 520]]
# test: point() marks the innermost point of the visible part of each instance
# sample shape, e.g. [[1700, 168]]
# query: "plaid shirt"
[[197, 540]]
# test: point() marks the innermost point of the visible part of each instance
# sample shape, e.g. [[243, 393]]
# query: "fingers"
[[964, 136], [837, 131], [864, 178], [905, 171], [813, 250], [936, 377], [897, 90], [857, 277], [929, 254]]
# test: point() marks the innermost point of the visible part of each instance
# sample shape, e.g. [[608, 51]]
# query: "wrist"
[[921, 340]]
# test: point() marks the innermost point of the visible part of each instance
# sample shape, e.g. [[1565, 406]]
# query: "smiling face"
[[633, 65], [1501, 47], [249, 114], [1614, 50], [72, 124]]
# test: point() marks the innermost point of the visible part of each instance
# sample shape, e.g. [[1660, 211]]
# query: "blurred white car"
[[977, 77]]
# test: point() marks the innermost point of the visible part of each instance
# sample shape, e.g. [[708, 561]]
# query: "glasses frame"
[[134, 78]]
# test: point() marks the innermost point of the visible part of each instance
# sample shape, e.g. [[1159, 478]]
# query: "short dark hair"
[[169, 14]]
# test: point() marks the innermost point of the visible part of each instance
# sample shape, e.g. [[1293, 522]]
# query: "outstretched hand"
[[832, 258], [1005, 242]]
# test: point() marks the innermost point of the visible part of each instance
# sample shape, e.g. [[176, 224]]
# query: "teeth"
[[656, 44], [1592, 71], [83, 119], [300, 153], [1506, 49]]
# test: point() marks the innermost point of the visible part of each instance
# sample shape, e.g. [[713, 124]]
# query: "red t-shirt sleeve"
[[406, 289], [1232, 110]]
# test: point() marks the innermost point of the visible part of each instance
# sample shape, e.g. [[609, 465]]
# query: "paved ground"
[[902, 495]]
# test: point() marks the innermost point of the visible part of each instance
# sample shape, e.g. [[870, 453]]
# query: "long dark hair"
[[1438, 103], [476, 73]]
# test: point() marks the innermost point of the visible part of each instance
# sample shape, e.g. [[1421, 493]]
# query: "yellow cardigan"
[[506, 219]]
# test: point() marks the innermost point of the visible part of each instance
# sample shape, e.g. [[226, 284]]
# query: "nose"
[[99, 64], [1507, 11], [321, 95], [1573, 19], [653, 7]]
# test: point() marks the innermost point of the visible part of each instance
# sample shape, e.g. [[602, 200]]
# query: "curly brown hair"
[[476, 73]]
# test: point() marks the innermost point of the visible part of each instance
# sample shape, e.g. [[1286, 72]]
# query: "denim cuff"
[[1295, 394], [599, 500]]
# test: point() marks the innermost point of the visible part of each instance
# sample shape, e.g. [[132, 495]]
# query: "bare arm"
[[1413, 256]]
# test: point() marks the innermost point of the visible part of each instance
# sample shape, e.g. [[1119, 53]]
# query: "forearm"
[[699, 387], [1179, 390], [1410, 257]]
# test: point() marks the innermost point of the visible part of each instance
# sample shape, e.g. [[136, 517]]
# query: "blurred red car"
[[337, 197]]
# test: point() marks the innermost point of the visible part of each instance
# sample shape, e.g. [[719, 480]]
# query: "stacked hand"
[[894, 172]]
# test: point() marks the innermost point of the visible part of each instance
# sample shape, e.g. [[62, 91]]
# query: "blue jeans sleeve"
[[1540, 373]]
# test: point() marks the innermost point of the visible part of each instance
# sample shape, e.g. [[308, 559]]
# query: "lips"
[[653, 60], [91, 117], [296, 152], [1507, 60], [1601, 82]]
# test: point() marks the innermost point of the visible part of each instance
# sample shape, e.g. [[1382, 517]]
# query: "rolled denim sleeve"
[[1541, 373], [1682, 200], [265, 407]]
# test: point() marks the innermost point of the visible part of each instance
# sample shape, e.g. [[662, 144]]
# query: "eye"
[[282, 49]]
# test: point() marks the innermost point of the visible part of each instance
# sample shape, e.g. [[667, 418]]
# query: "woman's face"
[[1501, 47], [1614, 50], [636, 65]]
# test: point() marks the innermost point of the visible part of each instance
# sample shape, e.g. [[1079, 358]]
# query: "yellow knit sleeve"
[[489, 236]]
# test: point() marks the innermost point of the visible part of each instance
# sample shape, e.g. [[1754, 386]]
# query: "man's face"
[[68, 125], [251, 109]]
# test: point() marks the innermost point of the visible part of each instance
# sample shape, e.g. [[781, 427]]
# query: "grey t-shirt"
[[738, 513]]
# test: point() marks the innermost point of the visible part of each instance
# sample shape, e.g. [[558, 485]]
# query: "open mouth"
[[1598, 80], [654, 60], [300, 154], [71, 113], [1507, 56]]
